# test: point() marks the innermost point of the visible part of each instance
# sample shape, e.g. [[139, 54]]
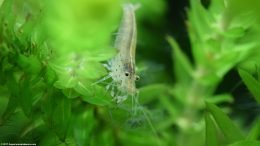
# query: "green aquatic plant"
[[222, 36], [51, 53]]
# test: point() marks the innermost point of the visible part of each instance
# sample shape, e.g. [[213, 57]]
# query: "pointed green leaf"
[[182, 66], [211, 132], [246, 143], [231, 132], [200, 19], [252, 84]]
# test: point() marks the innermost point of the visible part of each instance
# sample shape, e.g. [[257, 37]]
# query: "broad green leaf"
[[73, 68], [84, 123], [93, 94], [246, 143], [182, 66], [231, 132], [70, 93], [211, 131], [92, 70], [65, 82], [85, 88], [252, 84]]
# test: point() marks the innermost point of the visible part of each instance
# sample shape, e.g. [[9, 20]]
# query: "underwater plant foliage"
[[52, 53]]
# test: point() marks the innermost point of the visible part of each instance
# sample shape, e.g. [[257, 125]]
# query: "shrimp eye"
[[127, 74], [137, 78]]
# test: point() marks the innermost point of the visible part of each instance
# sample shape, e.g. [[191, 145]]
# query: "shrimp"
[[122, 67]]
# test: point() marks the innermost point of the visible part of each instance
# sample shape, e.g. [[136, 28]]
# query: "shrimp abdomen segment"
[[126, 39]]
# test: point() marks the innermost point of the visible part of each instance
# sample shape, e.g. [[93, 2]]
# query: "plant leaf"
[[252, 84], [182, 66], [93, 94], [231, 132], [211, 132], [220, 98], [246, 143]]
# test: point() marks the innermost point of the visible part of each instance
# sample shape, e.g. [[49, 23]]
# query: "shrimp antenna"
[[101, 80]]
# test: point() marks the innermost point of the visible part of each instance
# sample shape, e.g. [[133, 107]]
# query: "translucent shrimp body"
[[122, 66]]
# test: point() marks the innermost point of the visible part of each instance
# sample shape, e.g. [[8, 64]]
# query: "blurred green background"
[[198, 62]]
